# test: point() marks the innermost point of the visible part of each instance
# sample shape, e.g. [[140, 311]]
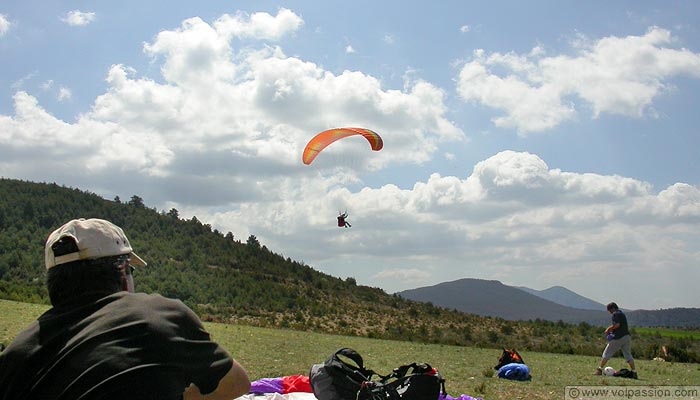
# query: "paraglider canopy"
[[325, 138]]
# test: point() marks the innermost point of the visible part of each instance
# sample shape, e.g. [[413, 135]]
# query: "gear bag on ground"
[[343, 376]]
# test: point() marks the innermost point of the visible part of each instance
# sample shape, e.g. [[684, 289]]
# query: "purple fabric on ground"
[[266, 385], [444, 396]]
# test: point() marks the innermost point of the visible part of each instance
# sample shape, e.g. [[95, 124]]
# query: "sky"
[[535, 143]]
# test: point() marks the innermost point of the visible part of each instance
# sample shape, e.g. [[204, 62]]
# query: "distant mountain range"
[[565, 297], [494, 299]]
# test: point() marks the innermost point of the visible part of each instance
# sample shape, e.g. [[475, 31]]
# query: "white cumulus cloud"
[[64, 94], [614, 75], [513, 218], [405, 275], [259, 25], [4, 24], [78, 18]]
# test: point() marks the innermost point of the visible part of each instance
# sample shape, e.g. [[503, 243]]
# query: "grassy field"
[[664, 332], [275, 352]]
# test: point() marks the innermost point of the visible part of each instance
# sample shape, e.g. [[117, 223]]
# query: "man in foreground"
[[619, 338], [103, 341]]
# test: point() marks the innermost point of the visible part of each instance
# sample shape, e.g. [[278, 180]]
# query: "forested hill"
[[226, 279], [222, 277]]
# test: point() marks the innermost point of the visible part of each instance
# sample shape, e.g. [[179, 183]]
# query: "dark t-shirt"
[[619, 317], [122, 346]]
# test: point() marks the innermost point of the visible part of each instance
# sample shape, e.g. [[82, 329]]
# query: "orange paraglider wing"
[[325, 138]]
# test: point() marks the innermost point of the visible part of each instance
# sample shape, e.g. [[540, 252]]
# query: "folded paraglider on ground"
[[511, 366]]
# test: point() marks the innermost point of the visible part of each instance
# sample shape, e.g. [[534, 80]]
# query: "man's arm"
[[612, 327], [234, 384]]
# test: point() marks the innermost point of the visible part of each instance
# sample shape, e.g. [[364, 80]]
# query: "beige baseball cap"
[[96, 238]]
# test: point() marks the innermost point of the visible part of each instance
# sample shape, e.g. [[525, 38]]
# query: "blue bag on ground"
[[515, 372]]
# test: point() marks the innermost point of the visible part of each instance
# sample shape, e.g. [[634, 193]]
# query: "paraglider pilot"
[[342, 222]]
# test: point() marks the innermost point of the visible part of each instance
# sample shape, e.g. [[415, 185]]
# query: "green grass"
[[666, 332], [467, 370]]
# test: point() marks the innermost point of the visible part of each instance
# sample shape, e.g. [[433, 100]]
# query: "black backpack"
[[416, 381], [338, 379], [625, 373]]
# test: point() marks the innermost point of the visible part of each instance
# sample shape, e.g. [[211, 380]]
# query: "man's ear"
[[122, 272], [125, 280]]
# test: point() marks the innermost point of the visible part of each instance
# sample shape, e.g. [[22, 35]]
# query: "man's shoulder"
[[140, 306], [152, 310], [152, 300], [619, 317]]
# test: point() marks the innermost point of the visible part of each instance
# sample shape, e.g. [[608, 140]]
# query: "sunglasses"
[[123, 262]]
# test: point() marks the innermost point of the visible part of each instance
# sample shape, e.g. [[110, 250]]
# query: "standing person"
[[100, 340], [619, 339]]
